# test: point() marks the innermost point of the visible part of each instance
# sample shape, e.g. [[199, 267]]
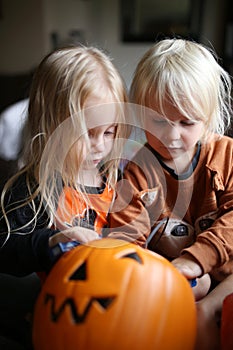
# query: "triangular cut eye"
[[80, 274], [133, 256], [105, 302]]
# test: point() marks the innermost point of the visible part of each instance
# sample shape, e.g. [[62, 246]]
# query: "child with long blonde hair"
[[73, 141]]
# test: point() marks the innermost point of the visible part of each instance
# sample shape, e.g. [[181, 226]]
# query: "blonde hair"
[[189, 75], [61, 84]]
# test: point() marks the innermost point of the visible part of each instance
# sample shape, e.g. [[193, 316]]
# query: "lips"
[[96, 161], [173, 148]]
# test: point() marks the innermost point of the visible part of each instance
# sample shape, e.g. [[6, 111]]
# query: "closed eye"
[[111, 131], [188, 123], [160, 121]]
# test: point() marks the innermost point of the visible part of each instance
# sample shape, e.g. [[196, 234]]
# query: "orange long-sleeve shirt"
[[191, 214]]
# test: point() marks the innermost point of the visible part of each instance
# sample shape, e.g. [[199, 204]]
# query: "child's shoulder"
[[20, 188], [220, 144], [224, 140], [144, 164], [219, 152]]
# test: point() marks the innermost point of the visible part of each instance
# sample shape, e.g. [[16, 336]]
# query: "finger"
[[81, 234], [58, 237]]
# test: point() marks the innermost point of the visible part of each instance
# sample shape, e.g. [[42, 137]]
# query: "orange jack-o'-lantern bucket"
[[111, 294]]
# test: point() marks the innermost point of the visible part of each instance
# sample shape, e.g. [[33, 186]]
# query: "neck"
[[89, 177], [182, 163]]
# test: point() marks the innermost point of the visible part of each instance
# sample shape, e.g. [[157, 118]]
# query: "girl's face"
[[101, 124], [173, 136]]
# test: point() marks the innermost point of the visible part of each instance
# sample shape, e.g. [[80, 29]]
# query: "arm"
[[209, 314], [129, 218], [22, 254], [81, 234], [213, 249], [25, 248]]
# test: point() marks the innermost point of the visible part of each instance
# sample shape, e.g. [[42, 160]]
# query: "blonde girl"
[[73, 143]]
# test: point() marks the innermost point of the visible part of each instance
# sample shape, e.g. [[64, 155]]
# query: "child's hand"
[[76, 233], [188, 266]]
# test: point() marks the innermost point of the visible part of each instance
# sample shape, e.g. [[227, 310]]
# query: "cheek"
[[155, 130], [153, 141], [193, 135], [109, 141], [109, 145], [149, 126]]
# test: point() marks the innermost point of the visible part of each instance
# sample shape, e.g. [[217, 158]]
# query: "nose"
[[97, 143], [172, 132]]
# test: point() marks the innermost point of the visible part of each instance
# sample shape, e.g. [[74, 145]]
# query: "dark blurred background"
[[126, 28], [29, 29]]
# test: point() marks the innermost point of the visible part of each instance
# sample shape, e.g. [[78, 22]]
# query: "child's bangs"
[[188, 98]]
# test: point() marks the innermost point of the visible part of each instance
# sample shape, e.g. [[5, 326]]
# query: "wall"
[[213, 30], [64, 16], [26, 29], [21, 35], [106, 23]]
